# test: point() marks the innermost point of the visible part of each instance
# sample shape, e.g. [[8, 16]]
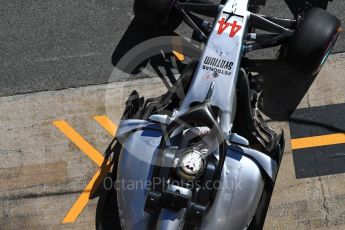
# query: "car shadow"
[[136, 33], [283, 87], [156, 61]]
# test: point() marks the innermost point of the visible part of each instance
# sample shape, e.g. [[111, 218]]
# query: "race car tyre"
[[313, 41], [258, 220], [157, 13]]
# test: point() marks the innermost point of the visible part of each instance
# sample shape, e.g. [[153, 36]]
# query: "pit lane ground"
[[55, 62], [58, 44], [43, 172]]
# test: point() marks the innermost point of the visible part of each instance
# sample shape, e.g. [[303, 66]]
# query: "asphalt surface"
[[58, 44]]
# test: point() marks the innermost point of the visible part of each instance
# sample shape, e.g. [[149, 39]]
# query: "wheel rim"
[[330, 47]]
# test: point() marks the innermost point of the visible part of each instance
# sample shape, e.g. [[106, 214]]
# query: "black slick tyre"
[[313, 40]]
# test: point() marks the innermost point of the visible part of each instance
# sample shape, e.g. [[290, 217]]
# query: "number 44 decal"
[[223, 25]]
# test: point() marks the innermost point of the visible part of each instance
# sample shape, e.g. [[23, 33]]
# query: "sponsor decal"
[[217, 66], [215, 74], [223, 25]]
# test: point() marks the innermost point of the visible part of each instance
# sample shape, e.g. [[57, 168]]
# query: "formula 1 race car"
[[208, 158]]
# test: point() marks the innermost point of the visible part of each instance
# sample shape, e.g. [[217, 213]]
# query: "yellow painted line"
[[107, 124], [179, 56], [316, 141], [80, 142], [83, 199], [94, 155]]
